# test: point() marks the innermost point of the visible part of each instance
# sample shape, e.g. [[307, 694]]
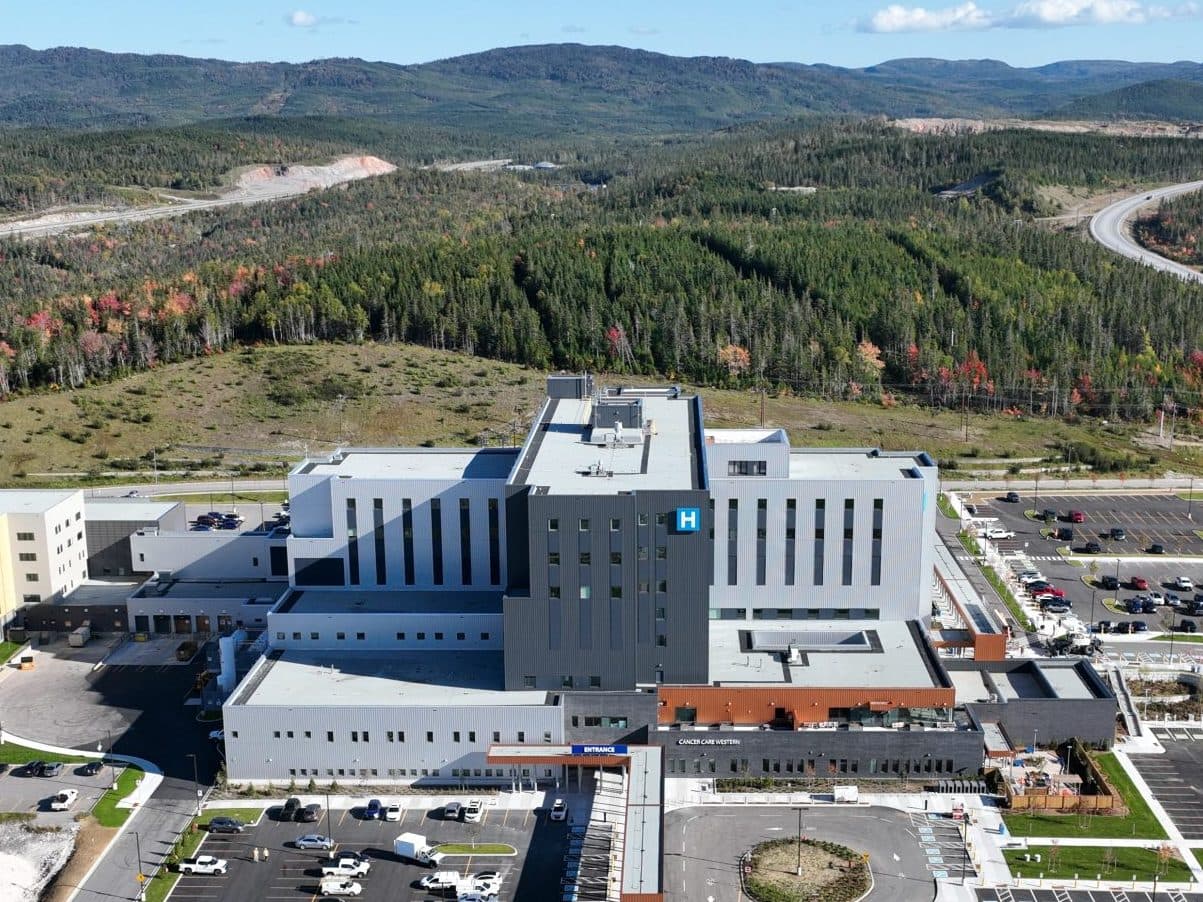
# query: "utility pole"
[[799, 870], [195, 783]]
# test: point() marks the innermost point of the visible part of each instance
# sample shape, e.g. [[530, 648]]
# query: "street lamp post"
[[1093, 592], [799, 870], [195, 783], [1190, 497], [139, 876]]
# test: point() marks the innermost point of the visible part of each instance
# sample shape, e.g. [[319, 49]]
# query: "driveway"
[[702, 847]]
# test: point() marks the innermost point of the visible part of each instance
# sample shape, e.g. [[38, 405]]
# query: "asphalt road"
[[1109, 227], [1175, 780], [703, 846]]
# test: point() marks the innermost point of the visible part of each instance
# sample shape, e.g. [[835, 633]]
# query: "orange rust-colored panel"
[[758, 704], [642, 897], [991, 647]]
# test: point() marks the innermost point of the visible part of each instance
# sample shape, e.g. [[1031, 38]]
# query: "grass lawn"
[[246, 815], [481, 848], [1008, 598], [1180, 637], [164, 881], [8, 649], [1086, 861], [11, 753], [1140, 822], [220, 498], [105, 810], [945, 507]]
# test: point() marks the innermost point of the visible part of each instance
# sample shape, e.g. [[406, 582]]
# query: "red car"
[[1051, 590], [1139, 582], [1077, 517]]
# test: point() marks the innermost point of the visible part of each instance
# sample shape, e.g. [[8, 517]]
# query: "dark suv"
[[310, 814], [226, 825], [1118, 533], [1108, 582], [1013, 497], [290, 808]]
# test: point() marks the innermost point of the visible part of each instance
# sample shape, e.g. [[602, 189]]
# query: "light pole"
[[1035, 733], [140, 877], [799, 870], [195, 783], [1093, 592], [1190, 497]]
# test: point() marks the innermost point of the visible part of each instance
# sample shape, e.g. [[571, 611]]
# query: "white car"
[[559, 810], [337, 886], [1157, 598], [486, 882], [474, 811], [204, 864], [392, 813], [346, 867], [1185, 583], [64, 800], [440, 880]]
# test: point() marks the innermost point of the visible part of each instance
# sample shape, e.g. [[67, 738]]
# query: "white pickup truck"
[[346, 867], [996, 532], [204, 864], [64, 800]]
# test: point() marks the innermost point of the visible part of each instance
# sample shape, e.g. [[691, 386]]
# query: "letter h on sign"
[[689, 519]]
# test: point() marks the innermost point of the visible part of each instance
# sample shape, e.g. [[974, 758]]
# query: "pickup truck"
[[997, 532], [346, 867], [203, 864], [64, 800]]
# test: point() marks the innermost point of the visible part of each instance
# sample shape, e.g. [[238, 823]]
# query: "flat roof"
[[970, 685], [855, 463], [964, 595], [95, 591], [179, 589], [1021, 683], [32, 501], [420, 679], [746, 437], [414, 463], [846, 653], [335, 601], [1067, 682], [567, 456], [127, 508]]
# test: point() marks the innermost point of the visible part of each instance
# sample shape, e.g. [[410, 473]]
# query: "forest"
[[672, 257], [1175, 228]]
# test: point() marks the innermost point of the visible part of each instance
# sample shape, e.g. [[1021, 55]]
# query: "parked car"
[[1173, 599], [288, 811], [1054, 591], [1156, 548], [559, 810], [1027, 576], [64, 800], [314, 841], [1077, 517], [33, 768], [1012, 497], [1138, 582], [1188, 626], [91, 769], [1156, 598], [1056, 606], [1065, 533], [204, 864], [1139, 626], [453, 811], [1092, 548], [997, 532], [201, 527], [1185, 583], [1149, 606], [346, 867], [474, 811], [310, 814], [1135, 606], [1118, 533], [1049, 515], [1038, 585], [339, 886], [215, 515], [971, 509], [228, 524], [392, 813], [1109, 582], [1122, 628], [51, 769], [226, 825], [373, 810], [1103, 626], [205, 520]]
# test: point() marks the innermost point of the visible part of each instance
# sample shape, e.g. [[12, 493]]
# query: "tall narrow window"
[[494, 543], [849, 521], [732, 542], [378, 540], [465, 541], [436, 539], [352, 543], [407, 535], [791, 530], [762, 539], [875, 570], [820, 532]]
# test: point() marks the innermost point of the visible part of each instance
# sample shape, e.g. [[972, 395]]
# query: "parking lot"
[[289, 873], [1075, 895], [20, 791], [1176, 777]]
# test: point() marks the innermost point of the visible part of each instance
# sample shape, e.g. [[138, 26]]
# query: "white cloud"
[[574, 29], [302, 19], [1027, 14]]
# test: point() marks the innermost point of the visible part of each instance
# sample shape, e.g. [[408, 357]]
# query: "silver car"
[[314, 841]]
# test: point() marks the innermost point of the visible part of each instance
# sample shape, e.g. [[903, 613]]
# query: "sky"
[[846, 33]]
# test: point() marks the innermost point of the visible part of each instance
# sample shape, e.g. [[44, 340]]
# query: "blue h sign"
[[689, 519]]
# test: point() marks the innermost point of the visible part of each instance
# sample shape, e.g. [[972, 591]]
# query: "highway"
[[1109, 227]]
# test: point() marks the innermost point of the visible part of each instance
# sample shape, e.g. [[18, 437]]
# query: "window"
[[644, 586], [494, 543], [25, 537], [361, 636], [471, 735], [747, 468], [329, 735], [642, 553], [401, 736], [791, 527], [313, 637], [354, 735], [497, 734], [340, 636], [276, 734], [661, 585], [762, 513], [436, 539], [460, 637], [641, 520], [849, 525], [732, 542], [522, 736], [455, 735], [875, 559], [421, 637], [586, 592], [484, 637], [661, 640], [820, 522], [595, 682], [378, 541], [254, 562], [661, 613], [438, 637], [584, 525], [400, 637], [615, 557], [616, 591], [31, 577], [662, 552], [280, 637], [430, 736], [296, 637], [407, 534], [615, 524], [352, 543], [661, 519], [388, 736], [528, 682], [465, 541], [553, 525], [553, 558], [586, 557], [553, 591], [27, 556]]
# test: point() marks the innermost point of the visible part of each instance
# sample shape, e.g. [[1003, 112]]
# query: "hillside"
[[1170, 99], [536, 91]]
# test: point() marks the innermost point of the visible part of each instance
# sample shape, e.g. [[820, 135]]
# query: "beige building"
[[43, 546]]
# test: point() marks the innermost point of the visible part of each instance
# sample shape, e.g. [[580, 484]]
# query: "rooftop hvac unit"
[[794, 655]]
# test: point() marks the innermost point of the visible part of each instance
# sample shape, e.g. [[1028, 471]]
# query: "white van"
[[339, 886]]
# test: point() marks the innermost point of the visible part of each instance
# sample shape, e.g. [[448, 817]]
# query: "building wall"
[[109, 551], [207, 555], [825, 754], [62, 618], [200, 614], [603, 641], [608, 717], [902, 591], [335, 747], [803, 705], [398, 632], [320, 530], [58, 544]]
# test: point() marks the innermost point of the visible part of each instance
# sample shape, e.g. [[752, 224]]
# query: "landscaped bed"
[[830, 872], [1087, 862]]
